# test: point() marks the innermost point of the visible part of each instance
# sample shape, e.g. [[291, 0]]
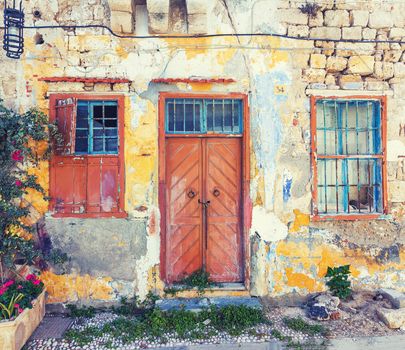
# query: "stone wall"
[[290, 252]]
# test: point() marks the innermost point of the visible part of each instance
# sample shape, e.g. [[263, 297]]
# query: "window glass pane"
[[186, 116], [81, 145], [82, 116], [111, 144], [98, 145], [183, 115], [224, 115]]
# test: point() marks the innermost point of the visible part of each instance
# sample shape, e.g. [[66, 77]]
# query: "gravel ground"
[[260, 333], [358, 319]]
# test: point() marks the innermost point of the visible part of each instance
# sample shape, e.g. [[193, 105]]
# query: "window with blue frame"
[[349, 156], [96, 127], [199, 116]]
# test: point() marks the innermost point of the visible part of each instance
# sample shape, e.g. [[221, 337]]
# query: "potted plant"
[[22, 308], [24, 144]]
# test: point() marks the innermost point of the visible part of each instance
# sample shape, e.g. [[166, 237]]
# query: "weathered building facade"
[[262, 158]]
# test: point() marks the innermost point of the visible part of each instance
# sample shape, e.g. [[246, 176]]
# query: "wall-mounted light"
[[13, 40]]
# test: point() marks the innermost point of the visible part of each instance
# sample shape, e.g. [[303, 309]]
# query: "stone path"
[[52, 327]]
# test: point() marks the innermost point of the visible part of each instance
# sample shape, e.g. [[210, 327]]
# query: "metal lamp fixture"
[[13, 40]]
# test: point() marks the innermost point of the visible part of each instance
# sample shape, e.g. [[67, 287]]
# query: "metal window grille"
[[199, 116], [349, 156], [97, 127]]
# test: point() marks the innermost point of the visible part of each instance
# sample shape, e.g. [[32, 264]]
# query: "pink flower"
[[36, 282], [19, 286], [18, 183], [17, 306], [9, 283], [31, 277], [17, 156]]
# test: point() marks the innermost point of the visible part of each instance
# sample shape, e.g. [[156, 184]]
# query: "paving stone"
[[396, 298], [197, 304], [52, 327]]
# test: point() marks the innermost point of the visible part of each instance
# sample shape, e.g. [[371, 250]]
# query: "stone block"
[[337, 18], [369, 34], [351, 82], [326, 33], [396, 298], [392, 55], [383, 70], [122, 22], [363, 65], [291, 16], [121, 5], [158, 6], [330, 80], [197, 6], [300, 31], [317, 60], [397, 188], [352, 33], [380, 19], [327, 46], [316, 21], [336, 64], [197, 23], [394, 319], [158, 22], [102, 87], [399, 70], [373, 84], [397, 33], [359, 18], [158, 14], [351, 49], [313, 75]]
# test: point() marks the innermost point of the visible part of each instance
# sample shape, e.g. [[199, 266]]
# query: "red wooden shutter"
[[65, 112], [102, 184]]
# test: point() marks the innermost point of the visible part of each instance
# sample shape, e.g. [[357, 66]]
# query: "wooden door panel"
[[183, 212], [224, 191]]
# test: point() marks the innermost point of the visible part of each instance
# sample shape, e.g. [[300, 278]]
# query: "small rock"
[[396, 298], [318, 312], [328, 300], [394, 319]]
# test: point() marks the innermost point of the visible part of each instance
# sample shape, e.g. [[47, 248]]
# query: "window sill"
[[90, 215], [349, 217]]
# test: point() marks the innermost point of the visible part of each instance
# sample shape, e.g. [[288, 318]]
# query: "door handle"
[[191, 193], [205, 204], [216, 192]]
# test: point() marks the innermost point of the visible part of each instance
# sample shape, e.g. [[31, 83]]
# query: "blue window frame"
[[200, 116], [96, 127], [349, 156]]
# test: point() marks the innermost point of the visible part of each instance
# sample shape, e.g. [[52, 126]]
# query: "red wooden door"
[[198, 235], [183, 212], [224, 191]]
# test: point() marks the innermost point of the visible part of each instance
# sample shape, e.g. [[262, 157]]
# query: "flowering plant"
[[24, 144], [15, 296]]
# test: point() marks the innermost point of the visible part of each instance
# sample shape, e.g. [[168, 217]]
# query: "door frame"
[[246, 210]]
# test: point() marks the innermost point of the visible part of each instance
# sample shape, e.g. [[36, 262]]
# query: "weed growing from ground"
[[155, 324], [338, 282], [299, 325], [85, 312]]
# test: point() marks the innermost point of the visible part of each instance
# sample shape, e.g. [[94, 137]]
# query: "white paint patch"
[[268, 225], [395, 148]]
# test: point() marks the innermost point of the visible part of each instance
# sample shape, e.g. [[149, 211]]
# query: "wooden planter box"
[[14, 334]]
